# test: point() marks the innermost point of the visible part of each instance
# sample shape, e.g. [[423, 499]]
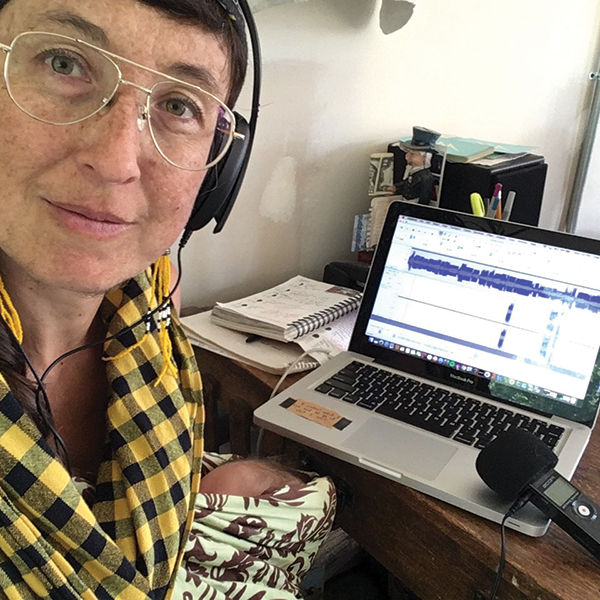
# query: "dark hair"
[[13, 367], [211, 16]]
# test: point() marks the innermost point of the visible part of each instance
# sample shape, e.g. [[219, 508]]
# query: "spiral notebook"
[[287, 311]]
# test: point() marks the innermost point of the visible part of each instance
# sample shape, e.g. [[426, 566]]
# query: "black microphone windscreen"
[[512, 461]]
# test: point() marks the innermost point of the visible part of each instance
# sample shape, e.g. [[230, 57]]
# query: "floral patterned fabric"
[[258, 548]]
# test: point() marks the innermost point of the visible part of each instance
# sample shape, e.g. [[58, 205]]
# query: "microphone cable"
[[290, 368], [517, 505]]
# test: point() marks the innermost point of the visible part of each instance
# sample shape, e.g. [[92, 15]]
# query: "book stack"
[[471, 150]]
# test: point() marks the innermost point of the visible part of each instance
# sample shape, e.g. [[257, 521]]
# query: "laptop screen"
[[516, 317]]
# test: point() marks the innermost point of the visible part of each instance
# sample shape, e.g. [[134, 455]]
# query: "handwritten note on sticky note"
[[315, 412]]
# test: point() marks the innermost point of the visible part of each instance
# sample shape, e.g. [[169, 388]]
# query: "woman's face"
[[85, 206]]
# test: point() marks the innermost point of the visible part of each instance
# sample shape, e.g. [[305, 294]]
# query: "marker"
[[477, 205], [498, 213]]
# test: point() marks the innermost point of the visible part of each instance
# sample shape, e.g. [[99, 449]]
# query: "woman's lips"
[[96, 224]]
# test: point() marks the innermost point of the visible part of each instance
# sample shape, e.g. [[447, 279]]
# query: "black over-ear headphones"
[[222, 183]]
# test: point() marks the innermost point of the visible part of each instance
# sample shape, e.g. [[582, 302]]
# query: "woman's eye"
[[181, 107], [64, 65]]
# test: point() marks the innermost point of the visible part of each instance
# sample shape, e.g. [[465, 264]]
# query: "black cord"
[[41, 395], [143, 319], [518, 504]]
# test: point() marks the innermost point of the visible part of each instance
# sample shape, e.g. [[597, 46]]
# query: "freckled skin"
[[104, 163]]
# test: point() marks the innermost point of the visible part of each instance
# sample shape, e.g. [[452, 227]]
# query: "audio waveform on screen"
[[504, 282]]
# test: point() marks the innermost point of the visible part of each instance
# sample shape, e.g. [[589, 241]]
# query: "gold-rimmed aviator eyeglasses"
[[60, 80]]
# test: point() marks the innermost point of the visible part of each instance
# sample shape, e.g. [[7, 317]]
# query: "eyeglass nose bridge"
[[143, 109]]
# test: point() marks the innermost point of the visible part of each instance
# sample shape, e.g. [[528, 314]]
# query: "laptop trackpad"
[[400, 448]]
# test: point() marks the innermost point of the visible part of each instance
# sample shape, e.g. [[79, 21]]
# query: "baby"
[[249, 477], [250, 529]]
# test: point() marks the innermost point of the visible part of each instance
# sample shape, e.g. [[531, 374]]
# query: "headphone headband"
[[222, 183], [232, 7]]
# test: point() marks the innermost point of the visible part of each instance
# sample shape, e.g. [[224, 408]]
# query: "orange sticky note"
[[315, 412]]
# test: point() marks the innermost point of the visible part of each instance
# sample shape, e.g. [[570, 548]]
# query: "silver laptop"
[[468, 326]]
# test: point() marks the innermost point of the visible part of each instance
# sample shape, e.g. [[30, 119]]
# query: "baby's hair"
[[275, 465], [250, 477]]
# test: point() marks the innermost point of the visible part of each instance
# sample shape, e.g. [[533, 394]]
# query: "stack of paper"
[[269, 355], [464, 149], [469, 150]]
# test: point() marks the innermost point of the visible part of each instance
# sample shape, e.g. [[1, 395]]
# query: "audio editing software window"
[[514, 311]]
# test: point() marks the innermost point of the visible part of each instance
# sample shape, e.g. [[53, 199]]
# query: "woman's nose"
[[113, 142]]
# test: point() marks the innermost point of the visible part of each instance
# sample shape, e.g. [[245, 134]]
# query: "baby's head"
[[248, 477]]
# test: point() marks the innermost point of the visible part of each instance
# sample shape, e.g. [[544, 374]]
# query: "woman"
[[99, 170]]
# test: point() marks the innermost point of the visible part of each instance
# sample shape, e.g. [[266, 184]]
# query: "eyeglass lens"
[[57, 80]]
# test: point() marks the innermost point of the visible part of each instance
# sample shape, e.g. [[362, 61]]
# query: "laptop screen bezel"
[[439, 373]]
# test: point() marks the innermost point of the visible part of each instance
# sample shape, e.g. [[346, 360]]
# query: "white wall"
[[588, 218], [335, 89]]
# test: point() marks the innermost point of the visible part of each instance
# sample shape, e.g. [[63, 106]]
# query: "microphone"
[[517, 465]]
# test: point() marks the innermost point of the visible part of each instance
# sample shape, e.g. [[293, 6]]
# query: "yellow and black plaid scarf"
[[129, 545]]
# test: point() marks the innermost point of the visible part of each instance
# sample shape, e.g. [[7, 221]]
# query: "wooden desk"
[[438, 551]]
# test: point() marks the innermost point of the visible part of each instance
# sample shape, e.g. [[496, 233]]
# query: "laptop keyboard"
[[467, 420]]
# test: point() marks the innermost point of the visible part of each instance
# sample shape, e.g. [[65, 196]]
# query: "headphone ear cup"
[[222, 183]]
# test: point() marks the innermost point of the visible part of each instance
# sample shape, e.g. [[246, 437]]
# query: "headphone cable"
[[41, 393], [144, 319], [288, 371]]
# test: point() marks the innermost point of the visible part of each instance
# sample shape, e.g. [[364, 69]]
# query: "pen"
[[498, 213], [493, 207], [477, 205]]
